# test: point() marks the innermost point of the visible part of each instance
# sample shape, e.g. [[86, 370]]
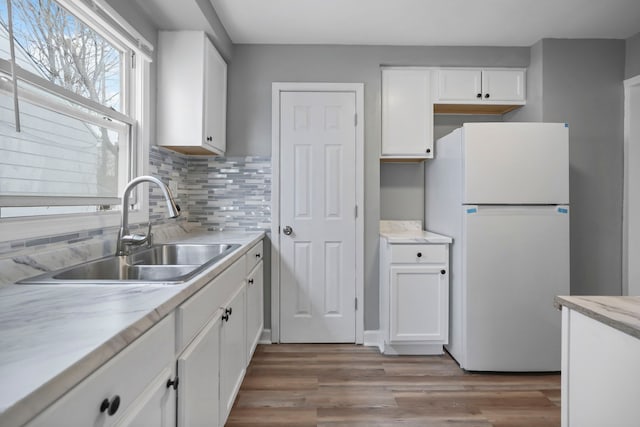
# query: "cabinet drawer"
[[419, 254], [254, 255], [193, 314], [124, 377]]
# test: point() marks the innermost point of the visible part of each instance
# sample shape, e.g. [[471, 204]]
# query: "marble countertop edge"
[[619, 312], [415, 236]]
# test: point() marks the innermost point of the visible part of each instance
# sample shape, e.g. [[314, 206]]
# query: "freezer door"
[[515, 261], [515, 163]]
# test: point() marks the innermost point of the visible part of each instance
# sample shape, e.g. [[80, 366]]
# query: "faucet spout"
[[124, 238]]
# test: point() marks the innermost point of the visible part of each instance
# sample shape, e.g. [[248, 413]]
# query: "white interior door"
[[317, 216], [632, 187]]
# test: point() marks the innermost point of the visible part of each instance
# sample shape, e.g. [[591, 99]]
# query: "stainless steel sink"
[[182, 253], [168, 263]]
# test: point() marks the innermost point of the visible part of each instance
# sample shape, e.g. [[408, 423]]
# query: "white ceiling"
[[425, 22]]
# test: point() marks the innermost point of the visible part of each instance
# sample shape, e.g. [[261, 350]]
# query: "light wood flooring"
[[349, 385]]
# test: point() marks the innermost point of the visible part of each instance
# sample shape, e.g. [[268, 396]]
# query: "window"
[[72, 96]]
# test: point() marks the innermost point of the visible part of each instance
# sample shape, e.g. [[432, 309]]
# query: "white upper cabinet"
[[503, 86], [192, 93], [458, 85], [476, 86], [407, 113]]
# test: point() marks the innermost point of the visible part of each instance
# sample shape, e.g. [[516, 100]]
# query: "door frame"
[[276, 89], [633, 82]]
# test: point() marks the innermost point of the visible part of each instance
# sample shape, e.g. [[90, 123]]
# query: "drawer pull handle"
[[419, 254], [173, 383], [104, 405], [110, 406], [443, 271], [251, 281]]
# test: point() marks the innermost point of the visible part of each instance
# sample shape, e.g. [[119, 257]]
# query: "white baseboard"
[[413, 349], [373, 339], [265, 337]]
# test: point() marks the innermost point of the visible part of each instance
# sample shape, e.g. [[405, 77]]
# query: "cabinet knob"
[[111, 407], [228, 311], [443, 271], [428, 150], [250, 281], [225, 317], [258, 255], [479, 95], [419, 255], [173, 383], [486, 95]]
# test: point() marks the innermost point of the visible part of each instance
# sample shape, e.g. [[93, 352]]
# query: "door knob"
[[287, 230]]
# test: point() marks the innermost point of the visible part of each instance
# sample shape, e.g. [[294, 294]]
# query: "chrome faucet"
[[124, 238]]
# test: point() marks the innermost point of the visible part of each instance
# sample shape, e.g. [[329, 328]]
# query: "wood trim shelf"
[[474, 108]]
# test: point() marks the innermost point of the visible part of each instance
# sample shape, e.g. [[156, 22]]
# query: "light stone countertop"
[[409, 232], [621, 313], [54, 336]]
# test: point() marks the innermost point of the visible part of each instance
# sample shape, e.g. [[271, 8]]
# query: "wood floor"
[[348, 385]]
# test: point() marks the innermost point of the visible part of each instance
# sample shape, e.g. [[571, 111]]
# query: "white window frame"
[[101, 17]]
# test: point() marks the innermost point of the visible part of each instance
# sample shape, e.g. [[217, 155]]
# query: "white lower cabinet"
[[418, 303], [600, 374], [198, 370], [255, 294], [130, 389], [156, 407], [232, 352], [185, 371], [414, 297]]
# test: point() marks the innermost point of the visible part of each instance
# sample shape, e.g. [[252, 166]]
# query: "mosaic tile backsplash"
[[232, 193]]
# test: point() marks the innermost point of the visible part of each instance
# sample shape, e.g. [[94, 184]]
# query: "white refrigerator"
[[501, 191]]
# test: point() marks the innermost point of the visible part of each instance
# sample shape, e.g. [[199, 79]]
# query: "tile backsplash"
[[230, 193], [220, 193]]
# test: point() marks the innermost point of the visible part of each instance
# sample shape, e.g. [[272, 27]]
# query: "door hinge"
[[356, 304], [356, 211], [355, 119], [278, 229], [133, 60]]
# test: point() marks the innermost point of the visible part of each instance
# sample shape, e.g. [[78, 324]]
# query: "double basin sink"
[[167, 263]]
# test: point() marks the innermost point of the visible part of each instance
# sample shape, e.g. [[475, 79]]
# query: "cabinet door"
[[419, 301], [407, 113], [254, 308], [462, 85], [232, 352], [503, 85], [198, 370], [156, 407], [215, 98]]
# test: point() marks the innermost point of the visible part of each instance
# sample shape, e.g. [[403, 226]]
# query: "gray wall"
[[582, 86], [632, 57], [255, 67], [220, 38], [532, 112]]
